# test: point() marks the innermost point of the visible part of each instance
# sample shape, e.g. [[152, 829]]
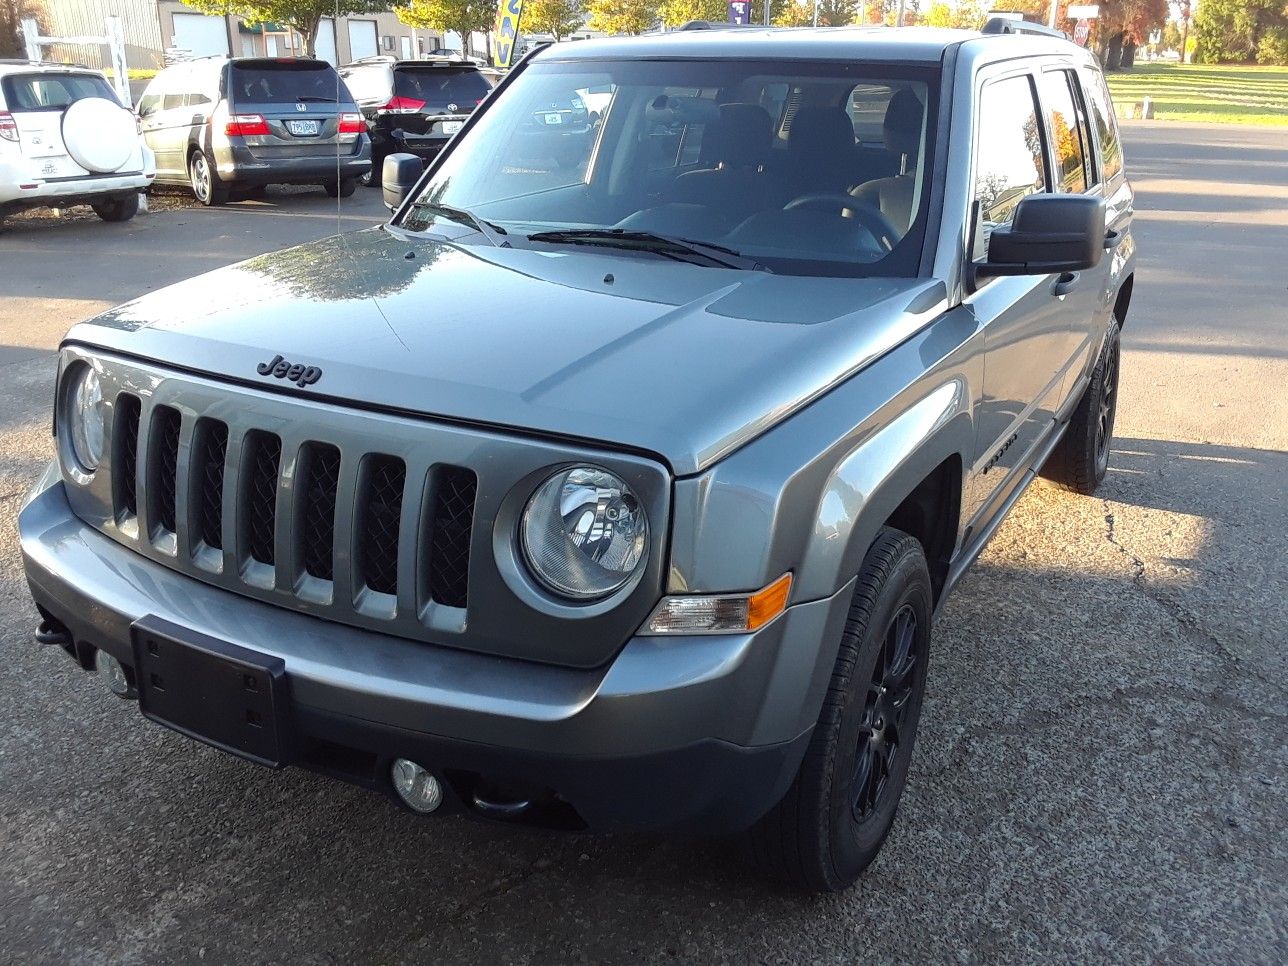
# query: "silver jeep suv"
[[617, 480]]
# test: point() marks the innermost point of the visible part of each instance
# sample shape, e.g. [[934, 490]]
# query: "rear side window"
[[1105, 125], [1009, 165], [52, 92], [438, 88], [270, 82], [1067, 146]]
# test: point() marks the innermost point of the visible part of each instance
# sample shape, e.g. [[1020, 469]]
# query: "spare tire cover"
[[99, 134]]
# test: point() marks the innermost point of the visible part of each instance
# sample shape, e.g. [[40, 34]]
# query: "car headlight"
[[584, 533], [85, 418]]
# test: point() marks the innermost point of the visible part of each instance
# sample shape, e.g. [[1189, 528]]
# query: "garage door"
[[325, 42], [204, 36], [362, 39]]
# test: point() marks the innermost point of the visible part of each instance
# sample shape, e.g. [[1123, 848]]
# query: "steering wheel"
[[865, 213]]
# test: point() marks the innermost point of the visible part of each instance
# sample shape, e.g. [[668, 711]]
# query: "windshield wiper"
[[650, 242], [315, 97], [488, 230]]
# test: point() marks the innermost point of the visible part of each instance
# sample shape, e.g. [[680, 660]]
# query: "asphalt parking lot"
[[1102, 771]]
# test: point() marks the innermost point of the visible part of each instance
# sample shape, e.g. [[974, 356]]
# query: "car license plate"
[[228, 696], [554, 118], [451, 127], [303, 128]]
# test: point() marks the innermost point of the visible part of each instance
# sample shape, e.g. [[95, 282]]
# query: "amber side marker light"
[[720, 613]]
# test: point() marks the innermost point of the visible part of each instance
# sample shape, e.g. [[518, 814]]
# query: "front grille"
[[451, 526], [125, 456], [380, 501], [163, 467], [261, 464], [210, 454], [321, 476]]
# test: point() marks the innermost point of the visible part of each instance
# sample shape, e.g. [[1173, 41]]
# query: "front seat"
[[738, 145], [904, 118], [821, 153]]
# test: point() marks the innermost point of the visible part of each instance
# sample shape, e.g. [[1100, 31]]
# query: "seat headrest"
[[903, 121], [820, 133], [741, 137]]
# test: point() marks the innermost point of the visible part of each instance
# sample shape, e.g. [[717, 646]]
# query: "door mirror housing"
[[1049, 234], [398, 177]]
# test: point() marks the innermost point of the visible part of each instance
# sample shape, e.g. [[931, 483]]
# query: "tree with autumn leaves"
[[558, 18], [462, 17]]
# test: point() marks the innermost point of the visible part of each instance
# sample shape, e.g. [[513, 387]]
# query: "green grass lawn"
[[1205, 92]]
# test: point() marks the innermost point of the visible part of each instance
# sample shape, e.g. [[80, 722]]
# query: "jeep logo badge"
[[279, 368]]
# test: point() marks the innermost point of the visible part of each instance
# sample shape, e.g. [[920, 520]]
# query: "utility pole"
[[1185, 29], [898, 21]]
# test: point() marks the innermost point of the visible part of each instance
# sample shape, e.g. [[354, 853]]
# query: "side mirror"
[[1049, 234], [398, 176]]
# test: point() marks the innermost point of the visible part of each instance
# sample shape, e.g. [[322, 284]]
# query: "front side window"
[[754, 156], [1009, 163], [1102, 115], [1067, 146]]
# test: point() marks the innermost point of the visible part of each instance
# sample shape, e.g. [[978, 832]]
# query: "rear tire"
[[1081, 459], [204, 179], [117, 209], [341, 189], [835, 817]]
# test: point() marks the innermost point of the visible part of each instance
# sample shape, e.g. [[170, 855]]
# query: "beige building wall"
[[151, 28]]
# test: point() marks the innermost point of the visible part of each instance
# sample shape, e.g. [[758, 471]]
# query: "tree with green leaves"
[[12, 14], [1241, 31], [675, 13], [966, 15], [558, 18], [302, 16], [458, 16], [622, 16]]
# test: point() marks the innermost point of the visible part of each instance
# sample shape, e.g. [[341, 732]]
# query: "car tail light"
[[352, 124], [403, 105], [8, 126], [239, 125]]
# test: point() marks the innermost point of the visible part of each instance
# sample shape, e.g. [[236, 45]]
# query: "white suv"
[[66, 140]]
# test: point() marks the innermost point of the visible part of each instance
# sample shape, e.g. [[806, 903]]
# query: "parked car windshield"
[[438, 87], [806, 168], [52, 92], [284, 82]]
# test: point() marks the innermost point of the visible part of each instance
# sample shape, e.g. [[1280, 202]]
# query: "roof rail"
[[708, 25], [1005, 25]]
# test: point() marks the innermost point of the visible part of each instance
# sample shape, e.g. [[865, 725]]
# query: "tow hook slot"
[[51, 632], [497, 802]]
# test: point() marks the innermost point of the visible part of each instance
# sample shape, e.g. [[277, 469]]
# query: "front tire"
[[835, 817], [203, 177], [117, 209], [1081, 459]]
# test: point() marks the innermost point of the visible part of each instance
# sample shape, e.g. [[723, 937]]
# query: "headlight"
[[584, 533], [85, 418]]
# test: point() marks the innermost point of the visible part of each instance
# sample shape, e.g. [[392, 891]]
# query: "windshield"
[[805, 168]]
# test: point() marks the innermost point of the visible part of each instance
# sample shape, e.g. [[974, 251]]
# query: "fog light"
[[111, 669], [419, 790]]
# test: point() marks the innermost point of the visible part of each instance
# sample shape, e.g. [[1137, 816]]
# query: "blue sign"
[[740, 11]]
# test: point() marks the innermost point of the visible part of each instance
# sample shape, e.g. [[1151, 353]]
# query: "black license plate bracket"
[[223, 694]]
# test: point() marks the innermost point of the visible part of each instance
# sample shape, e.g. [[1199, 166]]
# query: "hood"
[[682, 361]]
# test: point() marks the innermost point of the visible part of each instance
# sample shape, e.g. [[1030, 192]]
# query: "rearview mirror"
[[1049, 234], [398, 176]]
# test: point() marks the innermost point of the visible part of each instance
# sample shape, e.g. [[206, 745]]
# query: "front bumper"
[[702, 733]]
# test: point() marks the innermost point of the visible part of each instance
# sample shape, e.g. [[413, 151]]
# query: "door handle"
[[1064, 284], [1112, 240]]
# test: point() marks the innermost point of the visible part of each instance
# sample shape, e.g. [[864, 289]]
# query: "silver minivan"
[[221, 125]]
